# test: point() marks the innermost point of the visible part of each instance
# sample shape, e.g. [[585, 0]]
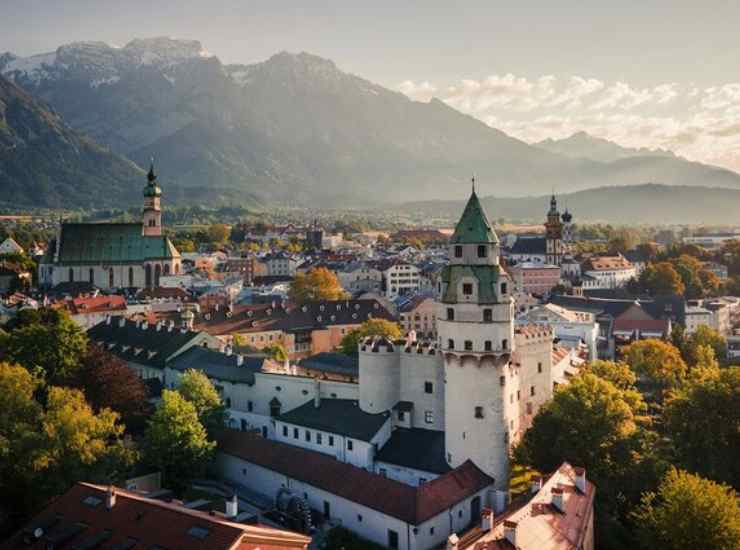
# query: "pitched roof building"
[[92, 516]]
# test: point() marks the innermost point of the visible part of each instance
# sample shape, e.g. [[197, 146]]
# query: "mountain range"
[[646, 204], [295, 129]]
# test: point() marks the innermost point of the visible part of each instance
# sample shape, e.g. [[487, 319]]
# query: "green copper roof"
[[152, 191], [474, 226], [486, 275], [108, 243]]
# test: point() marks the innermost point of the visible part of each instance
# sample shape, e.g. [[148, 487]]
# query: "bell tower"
[[554, 235], [152, 214], [475, 323]]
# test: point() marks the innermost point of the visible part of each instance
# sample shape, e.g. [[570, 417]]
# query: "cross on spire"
[[472, 180]]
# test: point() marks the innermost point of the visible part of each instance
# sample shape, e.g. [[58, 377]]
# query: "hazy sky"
[[639, 72]]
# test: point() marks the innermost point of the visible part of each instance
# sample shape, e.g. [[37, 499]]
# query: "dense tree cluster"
[[631, 424], [317, 284], [371, 327]]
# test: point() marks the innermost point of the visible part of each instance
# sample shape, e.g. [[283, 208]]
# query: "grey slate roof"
[[416, 448], [337, 363], [338, 416], [218, 365], [529, 245], [129, 338]]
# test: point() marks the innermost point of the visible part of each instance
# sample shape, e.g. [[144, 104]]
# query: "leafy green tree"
[[176, 442], [53, 343], [371, 327], [688, 511], [318, 284], [657, 361], [661, 279], [618, 373], [703, 422], [197, 388], [705, 336], [688, 267], [277, 352]]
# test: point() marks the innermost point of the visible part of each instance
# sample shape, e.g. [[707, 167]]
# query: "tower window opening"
[[468, 345], [450, 314], [504, 288], [468, 289], [458, 251], [504, 344], [488, 345], [450, 344], [487, 315], [482, 251], [479, 412]]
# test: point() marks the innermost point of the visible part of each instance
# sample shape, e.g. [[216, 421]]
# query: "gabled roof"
[[147, 346], [474, 227], [416, 448], [413, 505], [80, 519], [217, 365], [108, 243], [337, 416]]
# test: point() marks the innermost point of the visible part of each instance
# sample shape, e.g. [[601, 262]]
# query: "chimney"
[[452, 542], [228, 350], [232, 507], [510, 532], [110, 497], [557, 499], [536, 485], [486, 520], [316, 393], [580, 479], [145, 325]]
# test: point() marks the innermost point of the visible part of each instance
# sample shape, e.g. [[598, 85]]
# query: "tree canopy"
[[371, 327], [197, 388], [658, 361], [315, 285], [688, 511], [176, 442]]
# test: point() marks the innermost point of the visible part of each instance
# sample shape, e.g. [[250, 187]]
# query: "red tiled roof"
[[151, 522], [413, 505], [92, 304]]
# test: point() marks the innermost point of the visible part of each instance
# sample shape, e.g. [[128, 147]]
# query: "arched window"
[[157, 274], [71, 275], [130, 276], [92, 276], [166, 269], [504, 344], [450, 344], [488, 345], [111, 282], [148, 275], [503, 288]]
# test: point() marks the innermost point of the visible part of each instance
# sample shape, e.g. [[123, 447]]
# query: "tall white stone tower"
[[475, 323], [152, 214], [553, 235]]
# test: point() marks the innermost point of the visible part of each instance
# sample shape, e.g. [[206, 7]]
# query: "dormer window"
[[458, 251], [482, 251]]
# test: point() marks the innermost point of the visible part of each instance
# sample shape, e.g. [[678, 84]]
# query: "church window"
[[166, 269], [468, 289], [468, 345], [429, 417], [450, 314], [450, 344], [458, 251], [487, 315], [285, 431], [130, 276], [503, 288], [539, 367], [479, 412], [350, 445], [71, 275], [157, 274], [502, 380], [488, 345], [482, 251], [148, 275], [92, 276], [504, 344], [428, 387], [110, 278]]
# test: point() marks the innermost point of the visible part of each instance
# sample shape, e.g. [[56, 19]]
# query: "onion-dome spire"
[[151, 176]]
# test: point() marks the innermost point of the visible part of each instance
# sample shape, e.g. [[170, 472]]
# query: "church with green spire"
[[113, 255]]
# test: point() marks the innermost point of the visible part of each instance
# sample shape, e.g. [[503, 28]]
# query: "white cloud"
[[700, 124]]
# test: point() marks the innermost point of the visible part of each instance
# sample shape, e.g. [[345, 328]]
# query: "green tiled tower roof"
[[474, 226]]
